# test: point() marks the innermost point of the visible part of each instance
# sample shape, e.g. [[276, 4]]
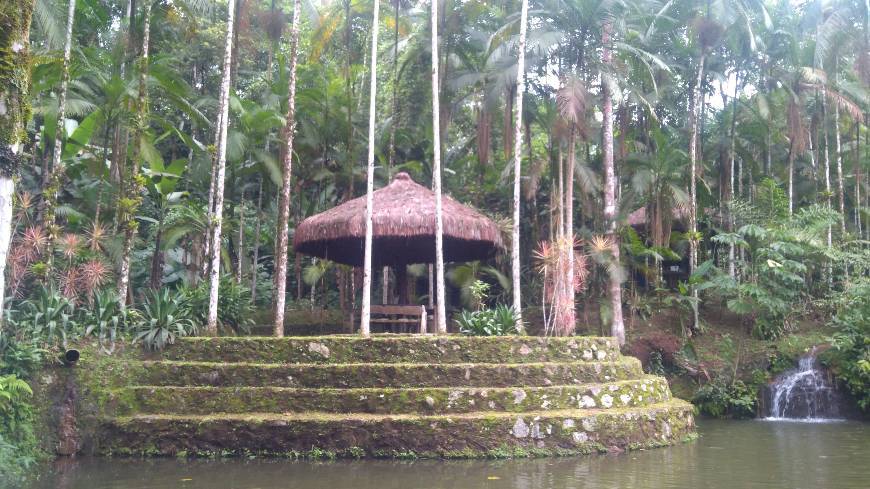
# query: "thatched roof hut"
[[403, 229]]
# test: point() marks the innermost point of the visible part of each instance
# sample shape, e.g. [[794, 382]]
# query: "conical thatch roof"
[[403, 229]]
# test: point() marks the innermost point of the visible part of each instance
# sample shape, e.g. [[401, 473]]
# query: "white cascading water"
[[804, 394]]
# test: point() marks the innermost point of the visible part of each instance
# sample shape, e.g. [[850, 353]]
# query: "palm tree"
[[221, 158], [132, 188], [436, 178], [284, 209], [617, 327], [15, 16], [370, 178], [571, 100], [52, 184], [518, 144]]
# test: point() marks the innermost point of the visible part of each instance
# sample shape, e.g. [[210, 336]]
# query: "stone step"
[[344, 376], [498, 434], [206, 400], [388, 348]]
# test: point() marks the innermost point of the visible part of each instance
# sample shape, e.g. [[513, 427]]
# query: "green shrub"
[[500, 321], [19, 356], [721, 398], [165, 316], [235, 310], [48, 318], [850, 356], [18, 446], [105, 319]]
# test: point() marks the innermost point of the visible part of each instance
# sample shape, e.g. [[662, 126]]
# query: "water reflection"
[[747, 454]]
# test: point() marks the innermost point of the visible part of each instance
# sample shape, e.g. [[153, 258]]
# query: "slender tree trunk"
[[297, 268], [385, 274], [565, 310], [617, 328], [241, 245], [859, 177], [693, 173], [841, 192], [370, 178], [395, 114], [157, 257], [133, 189], [256, 251], [827, 170], [557, 228], [210, 219], [732, 268], [15, 16], [518, 159], [281, 241], [53, 184], [791, 157], [221, 158], [441, 313], [385, 285]]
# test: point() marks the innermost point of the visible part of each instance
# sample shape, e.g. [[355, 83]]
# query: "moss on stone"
[[390, 400], [393, 349], [456, 436], [431, 401]]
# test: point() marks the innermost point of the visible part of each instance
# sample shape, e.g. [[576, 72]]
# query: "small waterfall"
[[804, 394]]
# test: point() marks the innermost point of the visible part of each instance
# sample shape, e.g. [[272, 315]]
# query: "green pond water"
[[729, 454]]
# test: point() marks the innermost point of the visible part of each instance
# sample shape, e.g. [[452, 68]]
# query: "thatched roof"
[[403, 229]]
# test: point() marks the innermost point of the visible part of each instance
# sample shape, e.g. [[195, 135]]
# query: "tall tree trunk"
[[565, 311], [732, 268], [53, 183], [157, 257], [841, 192], [385, 274], [518, 159], [132, 188], [210, 213], [791, 156], [221, 145], [859, 178], [370, 178], [241, 244], [256, 248], [395, 101], [617, 327], [281, 241], [15, 16], [441, 313], [827, 170], [693, 174]]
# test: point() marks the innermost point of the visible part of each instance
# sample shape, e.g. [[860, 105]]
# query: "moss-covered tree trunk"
[[52, 185], [281, 240], [133, 185], [15, 18]]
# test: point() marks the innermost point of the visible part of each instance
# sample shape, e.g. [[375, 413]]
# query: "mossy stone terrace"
[[384, 396]]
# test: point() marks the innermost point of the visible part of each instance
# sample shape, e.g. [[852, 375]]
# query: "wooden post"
[[423, 319], [402, 284]]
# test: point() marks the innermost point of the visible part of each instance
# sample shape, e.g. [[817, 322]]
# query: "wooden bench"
[[400, 316]]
